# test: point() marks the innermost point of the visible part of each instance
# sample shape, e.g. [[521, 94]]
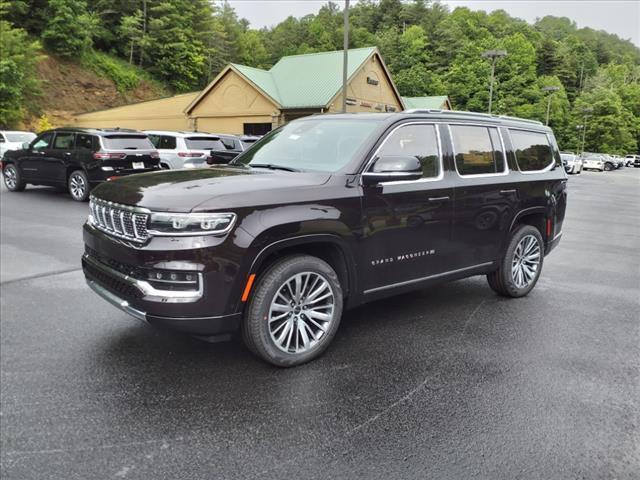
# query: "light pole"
[[345, 58], [550, 90], [586, 112], [494, 55]]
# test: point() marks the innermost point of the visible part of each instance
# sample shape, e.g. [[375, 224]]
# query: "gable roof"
[[302, 81], [435, 102]]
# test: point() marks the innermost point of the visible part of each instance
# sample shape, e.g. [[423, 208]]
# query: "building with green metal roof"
[[440, 102], [250, 100]]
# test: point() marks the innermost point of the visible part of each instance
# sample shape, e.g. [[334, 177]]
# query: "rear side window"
[[204, 143], [418, 141], [532, 149], [43, 141], [63, 141], [478, 150], [127, 142], [86, 142]]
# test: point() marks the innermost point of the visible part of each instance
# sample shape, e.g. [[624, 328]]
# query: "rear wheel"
[[79, 186], [12, 178], [521, 264], [294, 312]]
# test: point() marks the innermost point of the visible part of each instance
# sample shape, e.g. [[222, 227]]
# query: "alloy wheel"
[[526, 261], [77, 186], [10, 177], [301, 312]]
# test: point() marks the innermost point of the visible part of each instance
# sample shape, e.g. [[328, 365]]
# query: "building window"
[[257, 128]]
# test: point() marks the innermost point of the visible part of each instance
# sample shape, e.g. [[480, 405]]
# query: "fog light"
[[173, 280]]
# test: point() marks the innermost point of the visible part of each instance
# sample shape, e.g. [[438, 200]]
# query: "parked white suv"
[[184, 149], [13, 140], [593, 162], [572, 163]]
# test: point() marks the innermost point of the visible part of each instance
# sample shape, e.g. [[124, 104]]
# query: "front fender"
[[285, 226]]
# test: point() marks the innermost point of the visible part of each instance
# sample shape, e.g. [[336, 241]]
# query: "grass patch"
[[126, 77]]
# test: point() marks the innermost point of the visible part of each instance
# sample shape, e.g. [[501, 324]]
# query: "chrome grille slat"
[[121, 221]]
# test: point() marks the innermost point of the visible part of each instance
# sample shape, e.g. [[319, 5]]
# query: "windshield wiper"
[[272, 166]]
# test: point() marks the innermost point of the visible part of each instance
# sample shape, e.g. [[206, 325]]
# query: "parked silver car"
[[572, 163], [13, 140], [184, 149]]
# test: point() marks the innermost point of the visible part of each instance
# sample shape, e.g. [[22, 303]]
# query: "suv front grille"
[[118, 220]]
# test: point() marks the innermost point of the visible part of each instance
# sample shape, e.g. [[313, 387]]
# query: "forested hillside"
[[429, 49]]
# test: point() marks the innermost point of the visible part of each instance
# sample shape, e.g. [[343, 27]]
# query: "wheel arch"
[[328, 247], [534, 216]]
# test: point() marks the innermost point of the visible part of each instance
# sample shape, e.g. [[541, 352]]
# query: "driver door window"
[[42, 142], [418, 141]]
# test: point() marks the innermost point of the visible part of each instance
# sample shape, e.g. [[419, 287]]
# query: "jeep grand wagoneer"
[[324, 214]]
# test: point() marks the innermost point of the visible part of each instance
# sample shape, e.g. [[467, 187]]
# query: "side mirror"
[[25, 146], [393, 168]]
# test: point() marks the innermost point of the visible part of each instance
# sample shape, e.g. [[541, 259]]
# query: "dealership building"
[[247, 100]]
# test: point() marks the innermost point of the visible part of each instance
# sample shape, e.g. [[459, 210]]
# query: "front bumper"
[[119, 272], [195, 326]]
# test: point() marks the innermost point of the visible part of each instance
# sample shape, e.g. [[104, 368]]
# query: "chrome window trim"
[[533, 172], [406, 182], [478, 175]]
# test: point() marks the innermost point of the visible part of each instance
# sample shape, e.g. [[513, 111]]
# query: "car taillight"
[[189, 154], [154, 154], [109, 156]]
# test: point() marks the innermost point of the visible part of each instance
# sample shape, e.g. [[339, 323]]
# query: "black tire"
[[165, 166], [79, 187], [255, 326], [12, 178], [502, 280], [608, 167]]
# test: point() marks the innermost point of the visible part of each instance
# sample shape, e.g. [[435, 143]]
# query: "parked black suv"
[[326, 213], [234, 146], [78, 159]]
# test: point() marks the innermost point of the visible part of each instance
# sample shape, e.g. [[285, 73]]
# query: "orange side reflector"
[[247, 288]]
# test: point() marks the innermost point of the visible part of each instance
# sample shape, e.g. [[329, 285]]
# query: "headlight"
[[190, 224]]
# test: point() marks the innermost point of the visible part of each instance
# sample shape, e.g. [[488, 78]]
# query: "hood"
[[203, 189]]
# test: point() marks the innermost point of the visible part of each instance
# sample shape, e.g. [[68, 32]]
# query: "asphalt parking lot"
[[448, 383]]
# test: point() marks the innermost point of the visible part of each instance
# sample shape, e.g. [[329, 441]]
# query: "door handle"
[[67, 154], [508, 192], [438, 199]]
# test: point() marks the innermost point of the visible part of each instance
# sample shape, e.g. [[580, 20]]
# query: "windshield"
[[204, 143], [325, 145], [20, 137], [127, 142]]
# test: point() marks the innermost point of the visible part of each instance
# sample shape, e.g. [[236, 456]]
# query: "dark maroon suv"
[[324, 214]]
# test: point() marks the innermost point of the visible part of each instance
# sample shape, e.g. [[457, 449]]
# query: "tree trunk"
[[144, 29]]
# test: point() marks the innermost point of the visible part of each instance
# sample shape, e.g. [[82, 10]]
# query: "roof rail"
[[475, 114]]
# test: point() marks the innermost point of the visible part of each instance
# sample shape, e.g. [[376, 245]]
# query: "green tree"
[[18, 82], [69, 28]]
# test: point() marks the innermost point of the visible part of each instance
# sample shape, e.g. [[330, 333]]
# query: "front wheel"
[[521, 264], [12, 178], [79, 186], [608, 167], [294, 312]]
